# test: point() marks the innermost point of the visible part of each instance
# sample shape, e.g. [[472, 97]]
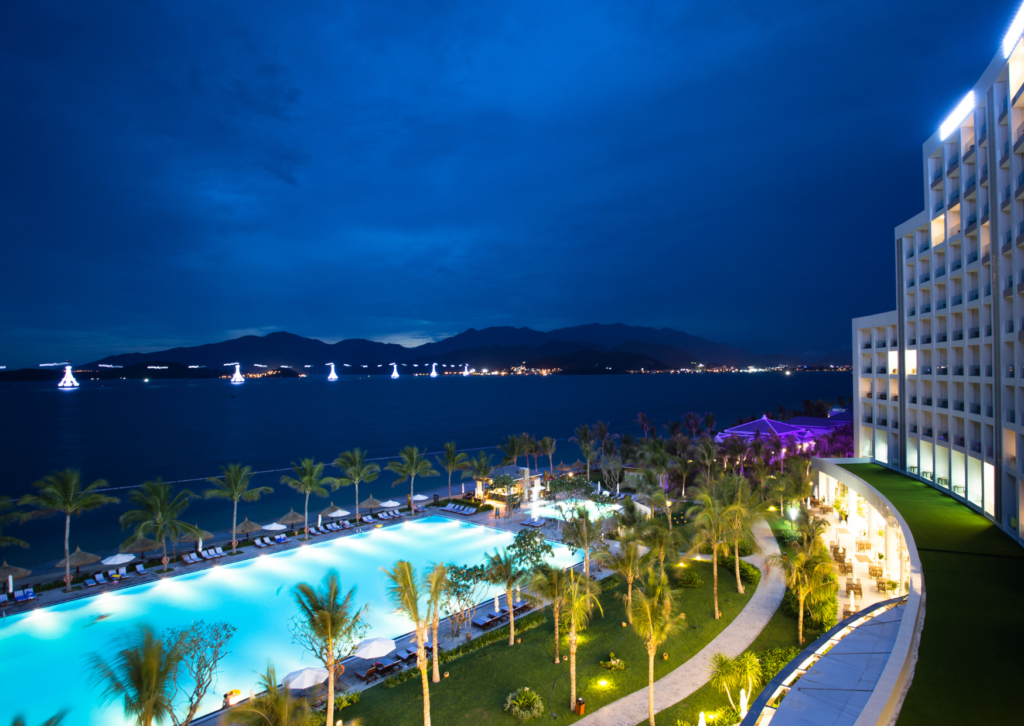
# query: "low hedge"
[[773, 660], [526, 622], [746, 549], [689, 578], [748, 573]]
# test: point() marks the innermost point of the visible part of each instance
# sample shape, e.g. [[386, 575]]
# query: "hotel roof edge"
[[916, 222]]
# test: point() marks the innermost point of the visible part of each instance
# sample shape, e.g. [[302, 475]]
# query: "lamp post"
[[792, 517]]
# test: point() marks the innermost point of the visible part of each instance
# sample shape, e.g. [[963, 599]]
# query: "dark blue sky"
[[179, 173]]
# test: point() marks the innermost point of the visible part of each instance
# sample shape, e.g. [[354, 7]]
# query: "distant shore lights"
[[433, 370], [394, 370], [332, 376], [68, 381], [237, 377], [465, 372]]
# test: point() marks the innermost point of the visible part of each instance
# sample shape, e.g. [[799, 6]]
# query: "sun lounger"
[[188, 559], [485, 622], [30, 594], [346, 524], [19, 596], [220, 552], [387, 666], [100, 580], [369, 520], [368, 675], [112, 574], [3, 599], [269, 541], [141, 570], [123, 572], [383, 516], [406, 655], [259, 543], [281, 539], [90, 583]]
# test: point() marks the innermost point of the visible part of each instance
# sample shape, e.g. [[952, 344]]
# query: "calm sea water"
[[128, 431]]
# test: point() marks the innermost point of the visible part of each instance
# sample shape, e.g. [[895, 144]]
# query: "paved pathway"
[[737, 637]]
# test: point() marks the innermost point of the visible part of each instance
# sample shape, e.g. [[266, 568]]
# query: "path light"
[[793, 511], [446, 674], [664, 656], [602, 683]]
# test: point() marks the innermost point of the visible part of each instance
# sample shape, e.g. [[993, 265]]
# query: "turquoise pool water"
[[43, 654], [548, 510]]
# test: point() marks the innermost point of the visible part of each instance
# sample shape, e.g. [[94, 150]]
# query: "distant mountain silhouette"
[[622, 346]]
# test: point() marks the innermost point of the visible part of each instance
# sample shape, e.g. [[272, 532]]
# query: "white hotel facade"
[[939, 382]]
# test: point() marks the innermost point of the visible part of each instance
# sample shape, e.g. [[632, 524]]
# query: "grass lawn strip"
[[479, 682], [968, 670]]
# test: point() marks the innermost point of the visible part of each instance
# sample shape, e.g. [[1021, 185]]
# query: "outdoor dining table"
[[863, 558]]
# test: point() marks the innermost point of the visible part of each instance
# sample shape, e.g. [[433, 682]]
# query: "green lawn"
[[479, 682], [968, 668]]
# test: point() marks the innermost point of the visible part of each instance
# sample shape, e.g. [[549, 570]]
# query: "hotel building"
[[940, 380]]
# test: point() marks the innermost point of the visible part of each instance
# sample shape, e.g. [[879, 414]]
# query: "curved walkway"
[[737, 637]]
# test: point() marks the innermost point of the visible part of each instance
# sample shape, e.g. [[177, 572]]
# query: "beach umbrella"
[[420, 498], [374, 648], [118, 560], [292, 517], [390, 504], [79, 558], [274, 527], [306, 678], [13, 573], [247, 528], [340, 513], [563, 467], [370, 503], [139, 546], [496, 608], [579, 465], [329, 511], [198, 536]]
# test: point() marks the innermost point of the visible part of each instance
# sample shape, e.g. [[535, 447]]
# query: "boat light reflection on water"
[[254, 595]]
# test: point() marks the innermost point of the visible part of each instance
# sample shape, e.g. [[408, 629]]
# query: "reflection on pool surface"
[[43, 653], [549, 510]]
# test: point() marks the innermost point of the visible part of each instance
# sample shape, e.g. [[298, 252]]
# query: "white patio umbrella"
[[389, 504], [274, 527], [374, 648], [420, 498], [319, 520], [340, 513], [496, 608], [119, 560], [306, 678]]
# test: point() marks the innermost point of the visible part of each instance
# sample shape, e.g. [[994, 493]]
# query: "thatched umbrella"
[[328, 511], [292, 518], [12, 573], [370, 503], [198, 536], [139, 546], [247, 528], [79, 558], [579, 465], [563, 468]]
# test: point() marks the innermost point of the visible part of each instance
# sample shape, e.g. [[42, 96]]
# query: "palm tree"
[[651, 488], [61, 493], [274, 707], [10, 518], [141, 676], [735, 449], [234, 485], [52, 721], [742, 510], [581, 533], [502, 569], [811, 527], [411, 464], [513, 448], [584, 438], [580, 600], [663, 542], [644, 423], [158, 516], [478, 468], [747, 671], [309, 479], [807, 571], [693, 423], [452, 462], [705, 457], [404, 593], [329, 622], [548, 584], [651, 616], [546, 447], [656, 459], [354, 466], [709, 423], [629, 563], [710, 526], [436, 583], [722, 674]]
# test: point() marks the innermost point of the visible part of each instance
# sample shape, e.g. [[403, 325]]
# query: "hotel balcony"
[[974, 332], [1004, 160], [971, 230], [975, 371], [953, 168], [976, 409], [1007, 198], [982, 136], [937, 180], [1007, 245], [983, 177], [958, 405], [969, 154], [954, 199]]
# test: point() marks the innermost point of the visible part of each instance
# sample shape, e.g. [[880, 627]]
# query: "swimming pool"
[[43, 654], [547, 510]]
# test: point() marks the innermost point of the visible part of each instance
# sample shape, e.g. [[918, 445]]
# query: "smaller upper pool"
[[563, 509]]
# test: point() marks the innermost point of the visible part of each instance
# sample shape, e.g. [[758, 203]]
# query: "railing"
[[912, 312], [910, 254], [924, 278], [976, 446], [1007, 240], [912, 341], [943, 403], [895, 396], [988, 330], [929, 432], [1011, 416], [953, 164], [975, 371], [939, 206], [926, 309], [990, 452], [1009, 326], [958, 440], [943, 436], [894, 343], [937, 176], [1010, 372], [954, 198], [927, 402], [958, 334], [926, 339], [883, 422], [972, 295], [958, 405], [988, 290], [927, 371], [942, 370], [958, 370], [940, 338], [923, 247], [955, 265], [972, 257], [1007, 194], [868, 419], [913, 428], [895, 424], [988, 371], [973, 332], [988, 412], [869, 394], [976, 409], [867, 369], [940, 305], [940, 271], [883, 396], [868, 344], [910, 283], [913, 399]]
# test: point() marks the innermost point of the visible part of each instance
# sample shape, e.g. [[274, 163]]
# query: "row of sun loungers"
[[114, 575], [389, 665], [491, 619], [18, 596], [535, 522], [458, 509]]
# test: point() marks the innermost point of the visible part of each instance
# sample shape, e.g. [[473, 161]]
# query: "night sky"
[[180, 173]]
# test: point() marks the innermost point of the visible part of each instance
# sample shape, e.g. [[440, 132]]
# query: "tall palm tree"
[[513, 448], [650, 614], [722, 674], [580, 601], [811, 527], [742, 510], [141, 676], [580, 532], [735, 450], [548, 584], [331, 621], [693, 422], [356, 469], [629, 563], [501, 568], [309, 479], [709, 423], [807, 571], [452, 462], [478, 468], [705, 458], [651, 488], [748, 671], [644, 423], [273, 707], [158, 515], [436, 584], [234, 485], [656, 458], [411, 463], [10, 518], [710, 526], [61, 493], [546, 447], [584, 438], [404, 593], [663, 542]]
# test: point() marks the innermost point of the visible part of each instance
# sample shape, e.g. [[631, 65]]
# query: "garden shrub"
[[524, 623], [746, 549], [773, 660], [820, 610], [725, 716], [787, 537], [613, 663], [748, 573], [690, 578], [524, 704]]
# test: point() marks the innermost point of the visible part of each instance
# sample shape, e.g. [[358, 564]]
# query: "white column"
[[871, 529], [890, 548]]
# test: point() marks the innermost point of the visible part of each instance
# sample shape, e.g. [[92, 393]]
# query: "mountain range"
[[578, 349]]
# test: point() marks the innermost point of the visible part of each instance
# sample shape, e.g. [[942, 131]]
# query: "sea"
[[128, 432]]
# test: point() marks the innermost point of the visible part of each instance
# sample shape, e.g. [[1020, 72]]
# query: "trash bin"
[[437, 499], [581, 706]]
